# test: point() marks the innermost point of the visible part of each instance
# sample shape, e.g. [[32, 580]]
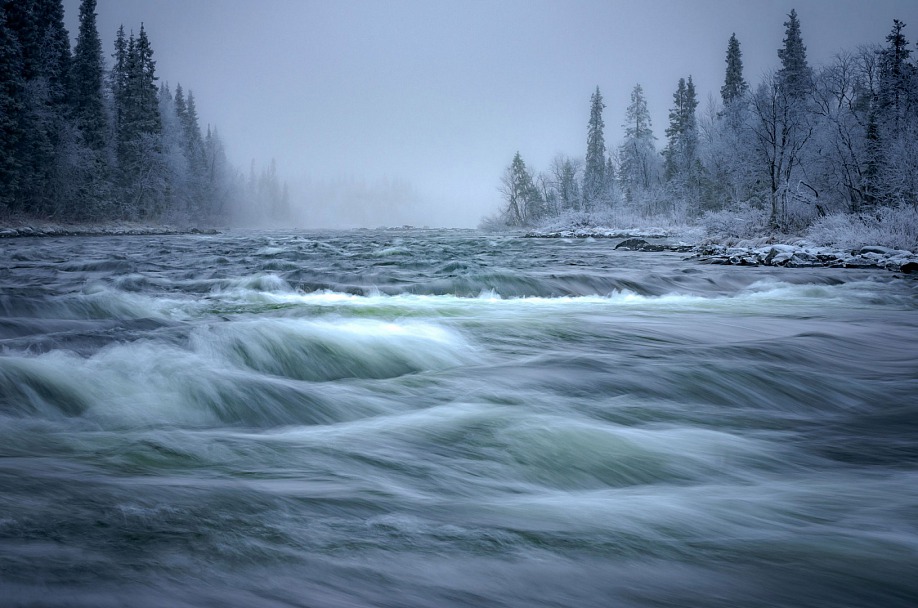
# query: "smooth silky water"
[[450, 418]]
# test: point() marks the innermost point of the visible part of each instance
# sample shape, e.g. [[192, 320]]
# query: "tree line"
[[803, 143], [83, 142]]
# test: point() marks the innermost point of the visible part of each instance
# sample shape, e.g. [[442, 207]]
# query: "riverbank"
[[762, 252], [47, 229]]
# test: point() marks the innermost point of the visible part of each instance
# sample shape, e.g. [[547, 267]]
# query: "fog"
[[407, 112]]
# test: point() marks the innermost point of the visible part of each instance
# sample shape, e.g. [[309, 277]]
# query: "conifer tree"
[[524, 202], [11, 106], [117, 77], [86, 80], [594, 169], [896, 76], [680, 153], [139, 129], [735, 86], [795, 75], [192, 131], [638, 165]]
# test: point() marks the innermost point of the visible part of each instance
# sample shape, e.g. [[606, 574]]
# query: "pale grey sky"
[[435, 97]]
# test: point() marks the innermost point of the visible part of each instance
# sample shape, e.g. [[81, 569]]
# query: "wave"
[[262, 372]]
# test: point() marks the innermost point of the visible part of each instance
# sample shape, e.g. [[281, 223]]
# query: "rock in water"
[[909, 267], [638, 245]]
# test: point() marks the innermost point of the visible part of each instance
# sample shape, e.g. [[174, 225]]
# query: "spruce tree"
[[118, 75], [12, 86], [524, 203], [896, 76], [795, 75], [638, 165], [682, 133], [139, 130], [735, 86], [674, 131], [86, 80], [594, 169], [192, 131]]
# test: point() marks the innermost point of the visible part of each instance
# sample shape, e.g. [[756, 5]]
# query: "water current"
[[450, 418]]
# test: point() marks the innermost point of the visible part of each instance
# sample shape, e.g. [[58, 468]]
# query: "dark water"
[[450, 419]]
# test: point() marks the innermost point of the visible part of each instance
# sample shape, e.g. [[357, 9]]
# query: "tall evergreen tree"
[[524, 202], [54, 51], [86, 80], [21, 21], [682, 132], [192, 130], [594, 169], [735, 86], [139, 129], [795, 75], [45, 50], [637, 169], [12, 85], [117, 77], [896, 77]]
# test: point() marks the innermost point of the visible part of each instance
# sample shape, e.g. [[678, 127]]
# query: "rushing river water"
[[446, 418]]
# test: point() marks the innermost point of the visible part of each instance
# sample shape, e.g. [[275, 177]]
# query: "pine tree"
[[44, 44], [55, 57], [192, 130], [12, 86], [638, 165], [139, 129], [896, 75], [795, 75], [594, 169], [674, 131], [680, 153], [524, 202], [735, 86], [118, 75], [86, 80]]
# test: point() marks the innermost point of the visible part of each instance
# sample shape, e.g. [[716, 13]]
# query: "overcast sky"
[[429, 100]]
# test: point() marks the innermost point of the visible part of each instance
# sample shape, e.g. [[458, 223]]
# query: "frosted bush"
[[888, 227], [741, 223]]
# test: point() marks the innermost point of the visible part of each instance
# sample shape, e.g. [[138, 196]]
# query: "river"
[[449, 418]]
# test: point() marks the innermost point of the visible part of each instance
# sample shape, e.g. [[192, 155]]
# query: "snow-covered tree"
[[524, 202], [795, 75], [735, 86], [12, 101], [639, 167], [780, 129], [681, 149], [86, 80], [594, 169]]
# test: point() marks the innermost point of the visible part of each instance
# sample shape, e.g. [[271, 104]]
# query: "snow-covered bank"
[[801, 256], [600, 232], [107, 229]]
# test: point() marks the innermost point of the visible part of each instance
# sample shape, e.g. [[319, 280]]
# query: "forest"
[[84, 142], [819, 151]]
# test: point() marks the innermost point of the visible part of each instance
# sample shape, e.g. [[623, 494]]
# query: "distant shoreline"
[[37, 230]]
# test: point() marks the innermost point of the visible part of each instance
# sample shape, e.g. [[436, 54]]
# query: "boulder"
[[632, 244], [909, 267]]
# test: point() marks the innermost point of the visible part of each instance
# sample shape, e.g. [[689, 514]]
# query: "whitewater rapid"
[[450, 418]]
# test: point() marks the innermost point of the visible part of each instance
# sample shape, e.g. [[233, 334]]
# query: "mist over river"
[[450, 418]]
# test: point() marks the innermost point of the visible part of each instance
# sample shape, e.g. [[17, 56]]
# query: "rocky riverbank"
[[795, 256], [785, 255]]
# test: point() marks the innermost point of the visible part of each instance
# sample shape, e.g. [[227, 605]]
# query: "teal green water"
[[449, 418]]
